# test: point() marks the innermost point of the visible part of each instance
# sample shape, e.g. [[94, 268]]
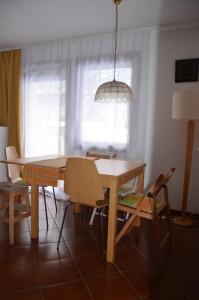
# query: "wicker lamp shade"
[[114, 91]]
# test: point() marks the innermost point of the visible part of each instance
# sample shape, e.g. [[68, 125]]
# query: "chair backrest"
[[100, 155], [148, 203], [97, 155], [160, 183], [82, 182], [13, 170]]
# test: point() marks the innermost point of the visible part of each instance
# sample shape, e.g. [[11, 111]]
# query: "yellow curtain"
[[10, 96]]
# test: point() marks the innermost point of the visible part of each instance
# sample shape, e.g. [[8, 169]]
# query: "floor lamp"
[[186, 107]]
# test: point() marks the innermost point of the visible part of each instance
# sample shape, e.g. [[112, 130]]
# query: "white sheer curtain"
[[60, 79], [44, 109]]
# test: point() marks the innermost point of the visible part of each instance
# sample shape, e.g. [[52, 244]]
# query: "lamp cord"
[[116, 29]]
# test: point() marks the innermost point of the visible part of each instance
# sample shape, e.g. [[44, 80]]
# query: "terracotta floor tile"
[[3, 228], [44, 252], [83, 246], [74, 232], [22, 239], [191, 290], [57, 271], [125, 243], [4, 240], [72, 219], [17, 277], [22, 226], [48, 236], [141, 278], [169, 295], [42, 215], [71, 291], [145, 242], [92, 265], [111, 287], [35, 270], [43, 224], [16, 256], [25, 295], [130, 258]]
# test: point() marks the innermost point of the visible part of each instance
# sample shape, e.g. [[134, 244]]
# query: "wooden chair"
[[148, 206], [14, 174], [99, 155], [83, 185], [106, 191], [15, 211]]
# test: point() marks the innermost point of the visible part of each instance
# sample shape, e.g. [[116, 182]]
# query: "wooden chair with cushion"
[[83, 185], [14, 174], [149, 206], [15, 211], [123, 190]]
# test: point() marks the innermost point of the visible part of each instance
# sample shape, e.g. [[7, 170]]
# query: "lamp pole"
[[184, 220]]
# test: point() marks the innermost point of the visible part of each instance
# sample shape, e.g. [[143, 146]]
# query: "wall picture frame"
[[186, 70]]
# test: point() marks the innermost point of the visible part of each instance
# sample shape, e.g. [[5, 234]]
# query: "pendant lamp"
[[114, 91]]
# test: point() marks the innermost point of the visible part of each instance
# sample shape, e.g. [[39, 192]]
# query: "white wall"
[[167, 137], [3, 144]]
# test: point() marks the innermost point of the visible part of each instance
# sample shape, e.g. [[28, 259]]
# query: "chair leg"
[[168, 234], [126, 226], [11, 220], [45, 206], [55, 198], [62, 225], [101, 224], [93, 216], [126, 216]]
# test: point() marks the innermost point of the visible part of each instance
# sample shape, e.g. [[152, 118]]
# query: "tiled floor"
[[35, 270]]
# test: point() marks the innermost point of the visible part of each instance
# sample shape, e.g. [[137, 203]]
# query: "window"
[[44, 113], [104, 124], [61, 116]]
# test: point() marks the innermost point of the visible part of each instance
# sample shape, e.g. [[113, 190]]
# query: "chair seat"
[[12, 187], [160, 205], [132, 200], [17, 205], [15, 175], [20, 180]]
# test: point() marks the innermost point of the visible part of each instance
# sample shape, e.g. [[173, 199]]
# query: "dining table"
[[47, 170]]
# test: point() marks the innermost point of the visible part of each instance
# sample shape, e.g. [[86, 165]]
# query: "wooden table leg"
[[34, 211], [112, 222]]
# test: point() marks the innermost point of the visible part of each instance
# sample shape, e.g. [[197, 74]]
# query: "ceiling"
[[26, 22]]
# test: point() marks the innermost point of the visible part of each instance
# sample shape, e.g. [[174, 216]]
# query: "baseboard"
[[175, 213]]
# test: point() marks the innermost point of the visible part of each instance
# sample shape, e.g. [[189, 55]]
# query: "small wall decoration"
[[186, 70]]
